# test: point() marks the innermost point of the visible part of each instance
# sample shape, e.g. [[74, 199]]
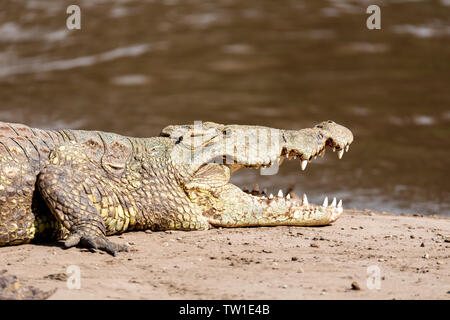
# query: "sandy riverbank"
[[406, 257]]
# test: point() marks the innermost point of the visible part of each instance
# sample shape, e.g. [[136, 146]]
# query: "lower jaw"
[[240, 209]]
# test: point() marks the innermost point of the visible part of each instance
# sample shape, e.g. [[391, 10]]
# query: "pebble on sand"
[[355, 286]]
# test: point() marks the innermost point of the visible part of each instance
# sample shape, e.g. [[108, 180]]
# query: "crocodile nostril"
[[330, 121]]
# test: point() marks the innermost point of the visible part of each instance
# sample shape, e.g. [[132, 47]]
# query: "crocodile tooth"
[[333, 203], [334, 149], [280, 193], [325, 202], [340, 153], [288, 196], [304, 164], [305, 200], [271, 196], [256, 187], [347, 147], [339, 207]]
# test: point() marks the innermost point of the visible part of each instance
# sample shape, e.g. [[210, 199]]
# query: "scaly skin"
[[80, 186]]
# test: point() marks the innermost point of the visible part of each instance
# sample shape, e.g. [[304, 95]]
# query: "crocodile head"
[[206, 154]]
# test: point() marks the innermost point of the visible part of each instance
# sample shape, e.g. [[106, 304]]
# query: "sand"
[[363, 255]]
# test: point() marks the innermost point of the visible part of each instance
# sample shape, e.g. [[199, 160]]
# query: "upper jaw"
[[305, 145], [253, 146]]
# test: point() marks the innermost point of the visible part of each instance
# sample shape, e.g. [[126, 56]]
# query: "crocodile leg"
[[64, 185], [72, 206]]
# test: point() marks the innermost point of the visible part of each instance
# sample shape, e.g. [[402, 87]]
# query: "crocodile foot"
[[95, 242]]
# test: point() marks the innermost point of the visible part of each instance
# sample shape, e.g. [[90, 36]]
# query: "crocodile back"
[[27, 146]]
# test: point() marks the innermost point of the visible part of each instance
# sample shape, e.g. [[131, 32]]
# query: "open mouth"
[[220, 150], [289, 202]]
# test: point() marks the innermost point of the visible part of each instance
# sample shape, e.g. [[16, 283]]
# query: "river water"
[[137, 66]]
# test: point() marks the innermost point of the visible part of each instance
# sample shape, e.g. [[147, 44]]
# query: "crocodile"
[[77, 187]]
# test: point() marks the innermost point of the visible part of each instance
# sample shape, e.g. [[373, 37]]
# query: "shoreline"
[[388, 256]]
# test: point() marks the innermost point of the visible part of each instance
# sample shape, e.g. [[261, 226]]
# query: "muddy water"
[[136, 66]]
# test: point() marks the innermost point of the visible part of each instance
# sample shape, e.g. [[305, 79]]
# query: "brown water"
[[137, 66]]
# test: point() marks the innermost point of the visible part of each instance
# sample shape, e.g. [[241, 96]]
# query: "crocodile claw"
[[97, 242]]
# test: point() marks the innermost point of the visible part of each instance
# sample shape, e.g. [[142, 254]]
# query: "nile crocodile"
[[80, 186]]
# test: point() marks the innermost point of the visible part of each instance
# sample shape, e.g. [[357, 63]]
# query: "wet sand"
[[386, 256]]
